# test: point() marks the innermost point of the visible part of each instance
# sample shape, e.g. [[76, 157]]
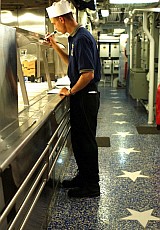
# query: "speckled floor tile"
[[129, 174]]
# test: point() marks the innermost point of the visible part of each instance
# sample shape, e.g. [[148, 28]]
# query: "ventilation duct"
[[81, 5]]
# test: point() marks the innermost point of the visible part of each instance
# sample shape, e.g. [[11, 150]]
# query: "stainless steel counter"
[[29, 149]]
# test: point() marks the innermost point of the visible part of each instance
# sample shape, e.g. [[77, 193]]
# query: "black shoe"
[[86, 191], [73, 183]]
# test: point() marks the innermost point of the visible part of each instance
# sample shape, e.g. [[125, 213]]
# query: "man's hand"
[[64, 91], [48, 40]]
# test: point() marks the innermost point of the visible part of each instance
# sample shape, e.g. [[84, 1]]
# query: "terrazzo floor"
[[129, 174]]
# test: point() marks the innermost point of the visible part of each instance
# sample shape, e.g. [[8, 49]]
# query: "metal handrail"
[[33, 204], [29, 195], [58, 128], [13, 200], [52, 166], [55, 146]]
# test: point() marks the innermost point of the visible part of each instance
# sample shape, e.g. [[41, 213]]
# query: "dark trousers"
[[83, 116]]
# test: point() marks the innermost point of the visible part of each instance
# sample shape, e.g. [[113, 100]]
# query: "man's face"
[[59, 24]]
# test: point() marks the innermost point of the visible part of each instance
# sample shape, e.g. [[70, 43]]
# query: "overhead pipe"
[[146, 10]]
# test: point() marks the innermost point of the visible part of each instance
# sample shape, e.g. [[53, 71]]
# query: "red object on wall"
[[158, 107], [125, 70]]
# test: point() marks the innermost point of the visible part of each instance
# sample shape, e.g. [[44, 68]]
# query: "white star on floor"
[[132, 175], [116, 102], [114, 93], [117, 107], [127, 151], [123, 134], [120, 122], [142, 217], [118, 114]]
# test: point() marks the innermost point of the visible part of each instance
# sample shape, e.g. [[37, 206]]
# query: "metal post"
[[38, 61], [21, 80], [46, 68], [131, 44], [151, 69]]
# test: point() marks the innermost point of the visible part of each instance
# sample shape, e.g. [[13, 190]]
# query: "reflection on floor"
[[129, 174]]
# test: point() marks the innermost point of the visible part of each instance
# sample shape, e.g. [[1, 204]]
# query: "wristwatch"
[[69, 91]]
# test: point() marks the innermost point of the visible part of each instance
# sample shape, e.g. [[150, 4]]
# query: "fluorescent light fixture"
[[7, 17], [132, 1], [105, 13]]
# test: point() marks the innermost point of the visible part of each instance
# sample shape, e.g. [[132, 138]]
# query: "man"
[[84, 73]]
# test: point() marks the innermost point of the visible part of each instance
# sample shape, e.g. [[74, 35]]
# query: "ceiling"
[[80, 4], [18, 4], [117, 12]]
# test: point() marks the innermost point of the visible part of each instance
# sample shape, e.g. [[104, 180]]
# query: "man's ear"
[[61, 19]]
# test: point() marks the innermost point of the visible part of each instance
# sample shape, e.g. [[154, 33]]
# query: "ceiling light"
[[126, 20], [7, 17], [132, 1], [105, 13]]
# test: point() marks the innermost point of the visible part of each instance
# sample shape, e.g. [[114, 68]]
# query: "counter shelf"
[[29, 150]]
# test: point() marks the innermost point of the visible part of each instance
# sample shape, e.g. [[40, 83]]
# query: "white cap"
[[58, 8]]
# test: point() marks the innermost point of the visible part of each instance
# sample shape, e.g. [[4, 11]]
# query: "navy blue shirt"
[[83, 55]]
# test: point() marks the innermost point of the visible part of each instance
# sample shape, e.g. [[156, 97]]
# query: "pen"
[[49, 35]]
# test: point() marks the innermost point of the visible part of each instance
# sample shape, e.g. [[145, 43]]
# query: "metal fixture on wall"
[[150, 106]]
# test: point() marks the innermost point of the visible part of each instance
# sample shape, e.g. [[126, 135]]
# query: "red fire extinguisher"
[[158, 107]]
